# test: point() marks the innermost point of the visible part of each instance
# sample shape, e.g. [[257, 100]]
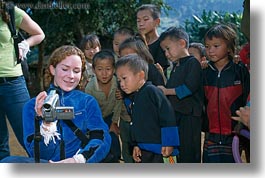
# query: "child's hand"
[[167, 151], [204, 64], [118, 94], [114, 128], [159, 68], [137, 154]]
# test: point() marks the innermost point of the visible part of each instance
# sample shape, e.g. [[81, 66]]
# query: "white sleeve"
[[49, 132]]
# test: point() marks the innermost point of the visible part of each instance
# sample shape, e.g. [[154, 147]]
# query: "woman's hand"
[[39, 102], [68, 160]]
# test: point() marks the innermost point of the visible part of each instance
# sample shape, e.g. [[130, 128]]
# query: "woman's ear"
[[52, 70]]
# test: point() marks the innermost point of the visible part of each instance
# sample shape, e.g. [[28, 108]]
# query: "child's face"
[[196, 53], [90, 52], [118, 39], [67, 73], [104, 70], [216, 49], [145, 22], [129, 82], [172, 48]]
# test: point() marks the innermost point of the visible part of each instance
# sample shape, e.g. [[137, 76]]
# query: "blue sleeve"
[[96, 149], [170, 136], [192, 82], [182, 91]]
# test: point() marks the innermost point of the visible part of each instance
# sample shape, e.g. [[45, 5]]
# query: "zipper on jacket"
[[218, 94]]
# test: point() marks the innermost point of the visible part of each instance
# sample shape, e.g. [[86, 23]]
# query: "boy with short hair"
[[153, 127], [148, 19], [184, 90], [103, 87]]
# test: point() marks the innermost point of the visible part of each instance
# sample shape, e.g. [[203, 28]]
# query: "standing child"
[[119, 36], [148, 20], [226, 86], [153, 125], [185, 92], [90, 45], [103, 87]]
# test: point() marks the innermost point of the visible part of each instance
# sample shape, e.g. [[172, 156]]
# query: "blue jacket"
[[87, 116]]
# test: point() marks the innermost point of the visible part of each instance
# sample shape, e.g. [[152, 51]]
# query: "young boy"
[[198, 51], [185, 92], [103, 87], [226, 87], [148, 19], [153, 127], [119, 37]]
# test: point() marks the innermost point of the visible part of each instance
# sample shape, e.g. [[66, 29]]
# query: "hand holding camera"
[[48, 107]]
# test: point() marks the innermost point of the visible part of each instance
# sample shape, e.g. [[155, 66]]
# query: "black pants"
[[150, 157]]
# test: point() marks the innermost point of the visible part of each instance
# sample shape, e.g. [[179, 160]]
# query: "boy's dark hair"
[[200, 47], [226, 33], [134, 62], [154, 9], [175, 33], [93, 41], [125, 31], [104, 54]]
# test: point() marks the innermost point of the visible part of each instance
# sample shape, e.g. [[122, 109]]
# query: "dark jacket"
[[225, 92]]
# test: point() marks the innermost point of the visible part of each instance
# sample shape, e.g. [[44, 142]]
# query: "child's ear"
[[157, 21], [142, 75], [182, 43]]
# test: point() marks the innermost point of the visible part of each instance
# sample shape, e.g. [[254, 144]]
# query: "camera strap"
[[84, 138], [37, 139]]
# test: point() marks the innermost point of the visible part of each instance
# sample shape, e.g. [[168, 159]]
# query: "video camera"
[[52, 111]]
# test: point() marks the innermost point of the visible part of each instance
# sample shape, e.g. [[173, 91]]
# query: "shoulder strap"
[[84, 138], [77, 132], [10, 8]]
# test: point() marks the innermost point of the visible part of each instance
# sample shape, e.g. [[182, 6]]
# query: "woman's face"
[[67, 73]]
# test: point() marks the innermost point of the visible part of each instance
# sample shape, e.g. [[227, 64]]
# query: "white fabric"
[[25, 48], [49, 132]]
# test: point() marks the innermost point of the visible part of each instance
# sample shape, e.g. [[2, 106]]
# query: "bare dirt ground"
[[15, 147]]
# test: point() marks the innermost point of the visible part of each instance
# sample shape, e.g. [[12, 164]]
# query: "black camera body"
[[52, 111]]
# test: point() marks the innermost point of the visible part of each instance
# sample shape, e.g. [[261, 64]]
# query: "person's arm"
[[33, 29], [244, 116]]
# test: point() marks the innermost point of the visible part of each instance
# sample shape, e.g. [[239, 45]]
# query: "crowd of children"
[[153, 116]]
